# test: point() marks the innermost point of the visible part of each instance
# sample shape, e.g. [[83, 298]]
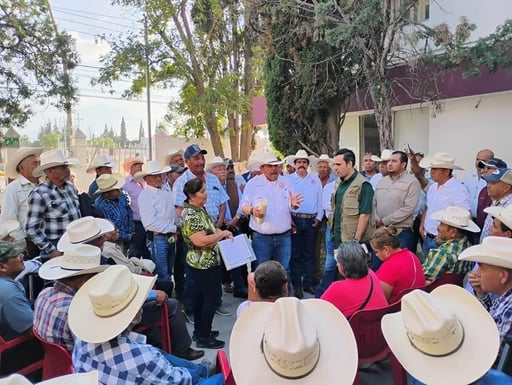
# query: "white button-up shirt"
[[311, 189], [15, 202], [157, 211]]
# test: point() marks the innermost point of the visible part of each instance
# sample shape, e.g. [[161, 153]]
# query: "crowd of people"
[[116, 254]]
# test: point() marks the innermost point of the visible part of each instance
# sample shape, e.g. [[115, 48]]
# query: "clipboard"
[[237, 251]]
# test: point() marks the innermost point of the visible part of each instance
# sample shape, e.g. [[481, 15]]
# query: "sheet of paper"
[[237, 251]]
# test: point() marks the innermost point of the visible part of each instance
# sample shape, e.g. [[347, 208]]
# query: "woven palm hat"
[[503, 214], [217, 161], [301, 154], [440, 160], [90, 378], [109, 182], [496, 251], [130, 161], [150, 168], [49, 159], [83, 230], [20, 154], [384, 156], [101, 161], [457, 217], [173, 151]]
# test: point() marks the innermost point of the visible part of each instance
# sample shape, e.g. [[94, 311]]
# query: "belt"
[[431, 236], [303, 216], [160, 234], [272, 235]]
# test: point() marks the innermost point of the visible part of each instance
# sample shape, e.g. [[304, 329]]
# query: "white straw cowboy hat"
[[323, 158], [130, 161], [440, 160], [217, 161], [49, 159], [78, 260], [150, 168], [496, 251], [170, 154], [16, 158], [8, 226], [445, 337], [456, 217], [254, 163], [269, 158], [101, 161], [109, 182], [106, 304], [384, 156], [90, 378], [503, 214], [84, 230], [301, 154], [293, 342]]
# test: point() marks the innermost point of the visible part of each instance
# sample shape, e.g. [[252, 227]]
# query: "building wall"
[[411, 127], [349, 135]]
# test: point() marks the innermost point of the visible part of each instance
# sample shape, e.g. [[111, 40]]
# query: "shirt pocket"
[[57, 209]]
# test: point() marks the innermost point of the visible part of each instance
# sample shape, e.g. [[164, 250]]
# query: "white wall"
[[411, 127], [349, 136]]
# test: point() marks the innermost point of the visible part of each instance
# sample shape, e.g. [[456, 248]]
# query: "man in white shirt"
[[383, 166]]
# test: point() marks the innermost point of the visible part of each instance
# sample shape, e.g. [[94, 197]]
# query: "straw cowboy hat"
[[456, 217], [90, 378], [253, 164], [150, 168], [384, 156], [20, 154], [49, 159], [78, 260], [217, 161], [106, 304], [496, 251], [83, 230], [130, 161], [503, 214], [269, 158], [101, 161], [301, 154], [445, 337], [323, 158], [293, 342], [440, 160], [170, 154], [8, 226], [109, 182]]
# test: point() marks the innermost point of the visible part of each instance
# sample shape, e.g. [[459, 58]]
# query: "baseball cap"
[[494, 163], [175, 167], [499, 175], [8, 250], [193, 150]]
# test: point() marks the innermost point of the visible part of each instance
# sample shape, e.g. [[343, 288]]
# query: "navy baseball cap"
[[193, 150], [499, 175], [494, 163]]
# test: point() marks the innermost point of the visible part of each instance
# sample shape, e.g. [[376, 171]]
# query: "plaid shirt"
[[128, 360], [444, 259], [500, 309], [119, 213], [50, 210], [51, 315]]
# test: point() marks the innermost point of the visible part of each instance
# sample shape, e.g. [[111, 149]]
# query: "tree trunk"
[[380, 91], [214, 135]]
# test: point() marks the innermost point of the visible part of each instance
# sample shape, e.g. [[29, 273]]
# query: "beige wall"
[[411, 127], [349, 136]]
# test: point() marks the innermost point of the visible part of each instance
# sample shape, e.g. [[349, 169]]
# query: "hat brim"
[[17, 157], [39, 171], [375, 158], [204, 152], [319, 160], [482, 254], [428, 162], [495, 211], [90, 378], [273, 163], [89, 327], [52, 270], [170, 154], [476, 358], [139, 176], [471, 227], [119, 184], [65, 244], [335, 335], [127, 165]]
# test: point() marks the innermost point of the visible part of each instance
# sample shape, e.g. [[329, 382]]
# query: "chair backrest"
[[453, 278], [224, 368], [163, 326], [23, 355], [408, 290], [57, 360]]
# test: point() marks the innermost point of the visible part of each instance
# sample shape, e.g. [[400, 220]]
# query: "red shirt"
[[402, 270], [349, 294]]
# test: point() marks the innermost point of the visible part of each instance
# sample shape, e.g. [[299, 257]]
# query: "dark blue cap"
[[193, 150]]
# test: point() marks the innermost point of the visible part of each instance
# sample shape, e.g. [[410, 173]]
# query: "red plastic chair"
[[18, 342], [455, 279], [163, 326], [408, 290], [371, 345], [224, 368], [57, 360]]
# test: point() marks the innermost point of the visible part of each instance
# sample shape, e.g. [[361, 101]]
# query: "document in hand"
[[237, 251]]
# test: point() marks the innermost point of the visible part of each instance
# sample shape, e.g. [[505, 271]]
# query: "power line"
[[97, 14], [95, 18], [120, 99], [90, 25]]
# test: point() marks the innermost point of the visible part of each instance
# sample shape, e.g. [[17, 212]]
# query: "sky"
[[85, 20]]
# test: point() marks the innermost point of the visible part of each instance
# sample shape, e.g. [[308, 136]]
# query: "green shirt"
[[444, 259], [365, 203], [195, 220]]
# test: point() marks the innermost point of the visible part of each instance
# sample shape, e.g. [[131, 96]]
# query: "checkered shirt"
[[127, 359], [51, 315], [500, 309], [119, 213], [50, 210]]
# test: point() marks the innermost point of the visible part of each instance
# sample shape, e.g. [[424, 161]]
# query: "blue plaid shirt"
[[127, 359], [50, 210], [51, 315], [500, 309], [119, 213]]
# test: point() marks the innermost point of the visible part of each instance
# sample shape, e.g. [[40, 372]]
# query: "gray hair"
[[352, 256]]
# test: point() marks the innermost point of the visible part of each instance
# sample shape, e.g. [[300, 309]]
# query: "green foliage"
[[50, 140], [31, 61], [104, 142]]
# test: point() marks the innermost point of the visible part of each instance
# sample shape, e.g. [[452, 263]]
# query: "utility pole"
[[148, 85]]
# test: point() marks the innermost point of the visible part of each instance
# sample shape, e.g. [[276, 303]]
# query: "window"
[[369, 135]]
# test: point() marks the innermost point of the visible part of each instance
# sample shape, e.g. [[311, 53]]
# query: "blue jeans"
[[407, 239], [428, 243], [163, 254], [330, 269], [276, 247], [302, 263], [138, 247], [492, 377], [200, 372]]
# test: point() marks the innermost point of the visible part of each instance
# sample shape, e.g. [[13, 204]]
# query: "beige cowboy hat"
[[269, 158], [217, 161], [445, 337], [440, 160], [323, 158], [456, 217], [109, 182], [49, 159], [90, 378], [293, 342], [254, 163], [84, 230], [170, 154], [503, 214], [101, 161], [9, 226], [130, 161], [150, 168], [16, 158], [496, 251], [385, 156], [106, 304], [78, 260], [301, 154]]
